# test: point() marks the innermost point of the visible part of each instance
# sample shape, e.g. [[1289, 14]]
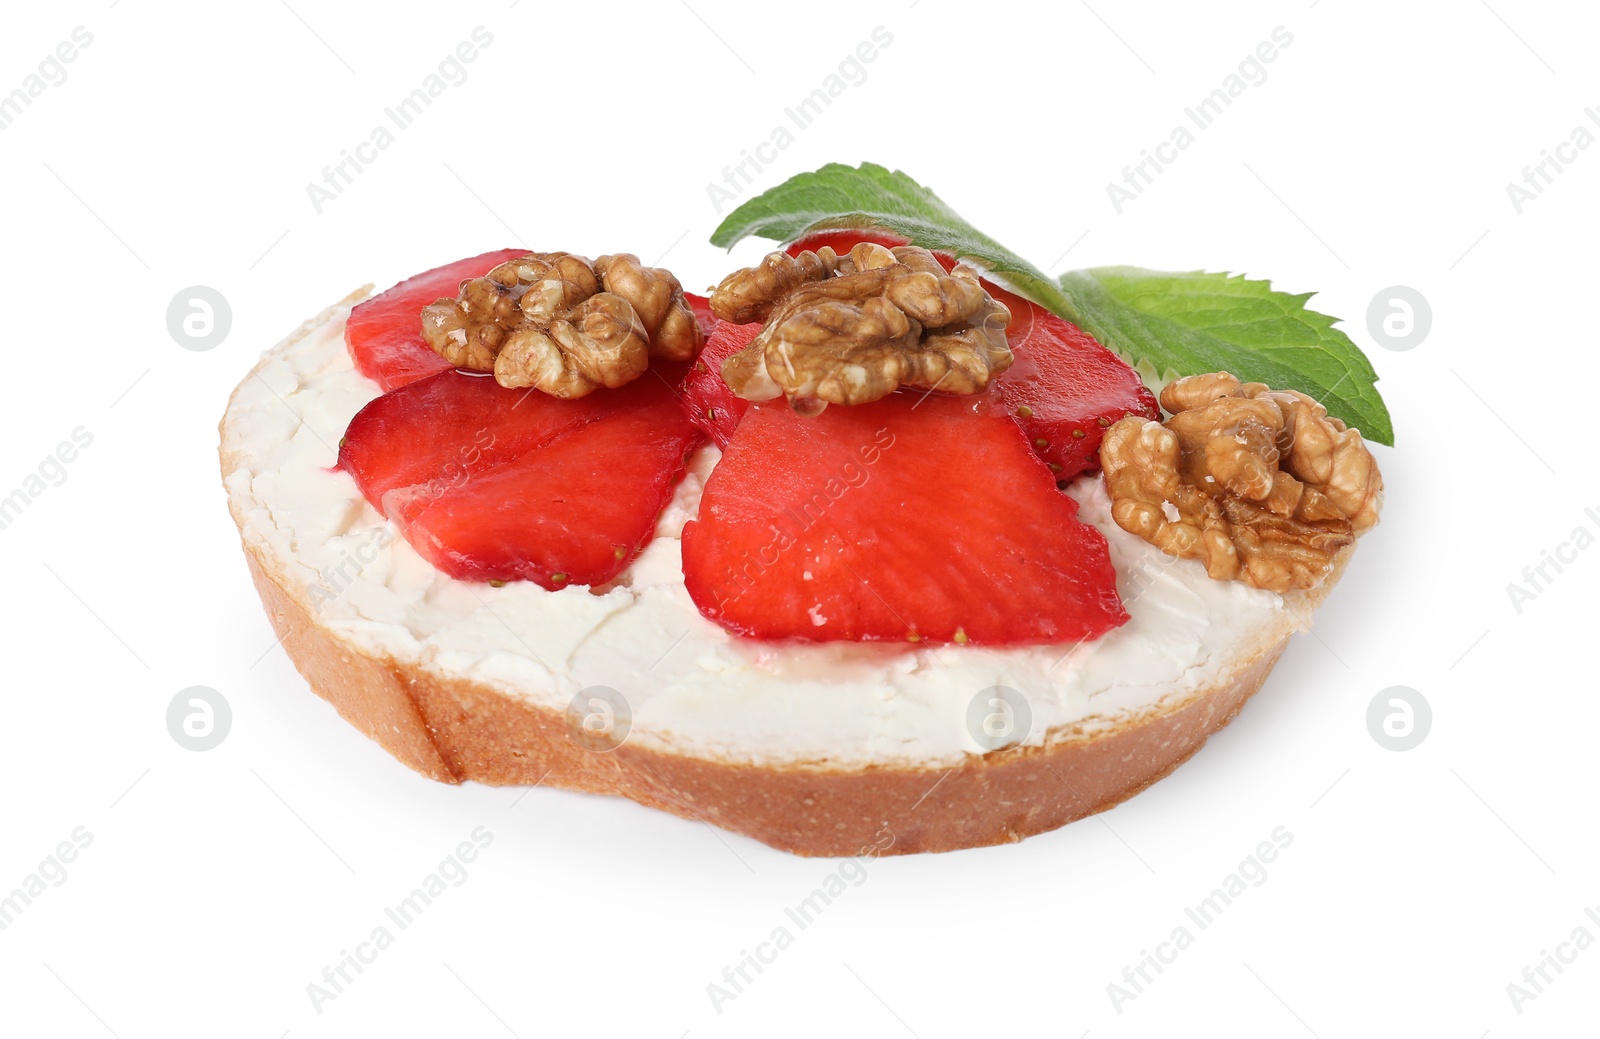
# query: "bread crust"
[[453, 729]]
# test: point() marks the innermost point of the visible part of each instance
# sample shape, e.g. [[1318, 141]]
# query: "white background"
[[1377, 151]]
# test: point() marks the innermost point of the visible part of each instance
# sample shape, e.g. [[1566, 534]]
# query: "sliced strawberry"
[[576, 511], [1063, 387], [438, 429], [488, 483], [384, 333], [921, 518], [712, 406]]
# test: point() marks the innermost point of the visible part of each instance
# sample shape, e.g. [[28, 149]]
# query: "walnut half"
[[563, 324], [1261, 485], [852, 329]]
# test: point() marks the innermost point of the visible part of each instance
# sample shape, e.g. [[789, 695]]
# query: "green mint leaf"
[[1197, 321], [838, 196], [1168, 324]]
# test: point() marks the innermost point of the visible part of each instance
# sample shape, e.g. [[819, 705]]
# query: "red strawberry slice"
[[488, 483], [384, 333], [921, 518], [1063, 387], [436, 429], [712, 406]]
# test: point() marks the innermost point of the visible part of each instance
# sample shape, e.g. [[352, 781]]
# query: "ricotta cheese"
[[693, 688]]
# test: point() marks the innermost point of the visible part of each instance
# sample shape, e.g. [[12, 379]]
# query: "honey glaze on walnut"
[[1262, 485]]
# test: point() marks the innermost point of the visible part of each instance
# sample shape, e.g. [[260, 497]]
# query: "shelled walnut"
[[563, 324], [1261, 485], [851, 329]]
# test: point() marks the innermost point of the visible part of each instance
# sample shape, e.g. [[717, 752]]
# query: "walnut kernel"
[[1261, 485], [563, 324], [852, 329]]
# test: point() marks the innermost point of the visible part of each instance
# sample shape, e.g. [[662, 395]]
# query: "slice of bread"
[[456, 722]]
